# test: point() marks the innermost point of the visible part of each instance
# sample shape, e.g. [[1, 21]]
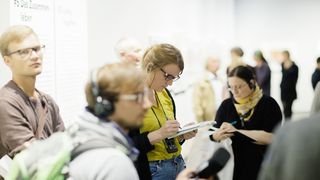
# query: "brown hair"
[[238, 51], [15, 33], [160, 55], [113, 80], [287, 53]]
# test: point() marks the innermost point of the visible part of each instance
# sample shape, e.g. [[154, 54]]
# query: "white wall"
[[152, 21], [282, 24], [63, 29], [197, 28], [4, 23]]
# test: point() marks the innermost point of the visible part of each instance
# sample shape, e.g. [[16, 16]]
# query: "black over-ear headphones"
[[102, 107], [252, 85]]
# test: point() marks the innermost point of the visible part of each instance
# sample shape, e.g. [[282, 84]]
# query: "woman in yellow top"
[[163, 64]]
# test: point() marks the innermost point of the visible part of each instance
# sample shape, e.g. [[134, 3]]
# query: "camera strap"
[[159, 103], [164, 112], [168, 144]]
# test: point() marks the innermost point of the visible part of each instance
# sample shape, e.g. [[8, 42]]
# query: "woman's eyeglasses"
[[169, 77], [238, 87]]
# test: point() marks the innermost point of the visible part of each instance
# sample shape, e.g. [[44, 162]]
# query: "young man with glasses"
[[26, 113], [117, 100]]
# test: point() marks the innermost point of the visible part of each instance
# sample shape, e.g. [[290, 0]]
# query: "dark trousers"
[[287, 108]]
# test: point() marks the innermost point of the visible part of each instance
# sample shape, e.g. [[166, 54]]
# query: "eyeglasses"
[[138, 97], [169, 77], [233, 88], [26, 52]]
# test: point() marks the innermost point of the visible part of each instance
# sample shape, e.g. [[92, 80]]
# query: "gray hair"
[[125, 45]]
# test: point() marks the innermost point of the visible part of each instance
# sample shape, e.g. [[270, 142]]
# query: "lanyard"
[[164, 112]]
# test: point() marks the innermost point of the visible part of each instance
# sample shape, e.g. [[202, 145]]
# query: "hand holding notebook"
[[193, 127]]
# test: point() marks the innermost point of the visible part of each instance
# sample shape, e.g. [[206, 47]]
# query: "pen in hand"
[[233, 122]]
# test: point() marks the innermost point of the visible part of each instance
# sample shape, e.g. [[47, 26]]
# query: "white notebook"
[[193, 127]]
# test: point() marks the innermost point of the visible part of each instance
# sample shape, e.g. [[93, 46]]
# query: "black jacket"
[[315, 78], [289, 82], [144, 146]]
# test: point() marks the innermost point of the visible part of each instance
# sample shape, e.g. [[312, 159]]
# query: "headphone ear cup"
[[252, 85], [104, 108]]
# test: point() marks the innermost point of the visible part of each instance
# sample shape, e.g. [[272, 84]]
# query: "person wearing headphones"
[[248, 118], [163, 64], [117, 102]]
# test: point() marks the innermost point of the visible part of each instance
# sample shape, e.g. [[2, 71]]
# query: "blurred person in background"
[[294, 152], [315, 107], [263, 72], [236, 58], [208, 92], [163, 64], [290, 72], [316, 74], [129, 50], [207, 96], [248, 113]]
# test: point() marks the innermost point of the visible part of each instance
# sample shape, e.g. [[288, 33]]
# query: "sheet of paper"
[[193, 127]]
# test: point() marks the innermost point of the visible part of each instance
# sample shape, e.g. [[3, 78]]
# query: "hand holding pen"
[[225, 131], [228, 127], [169, 128]]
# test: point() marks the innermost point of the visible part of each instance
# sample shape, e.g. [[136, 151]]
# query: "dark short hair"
[[243, 72], [318, 60]]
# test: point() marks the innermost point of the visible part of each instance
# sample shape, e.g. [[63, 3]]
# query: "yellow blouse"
[[150, 123]]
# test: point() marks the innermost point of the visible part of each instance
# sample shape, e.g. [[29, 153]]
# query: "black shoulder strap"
[[173, 104]]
